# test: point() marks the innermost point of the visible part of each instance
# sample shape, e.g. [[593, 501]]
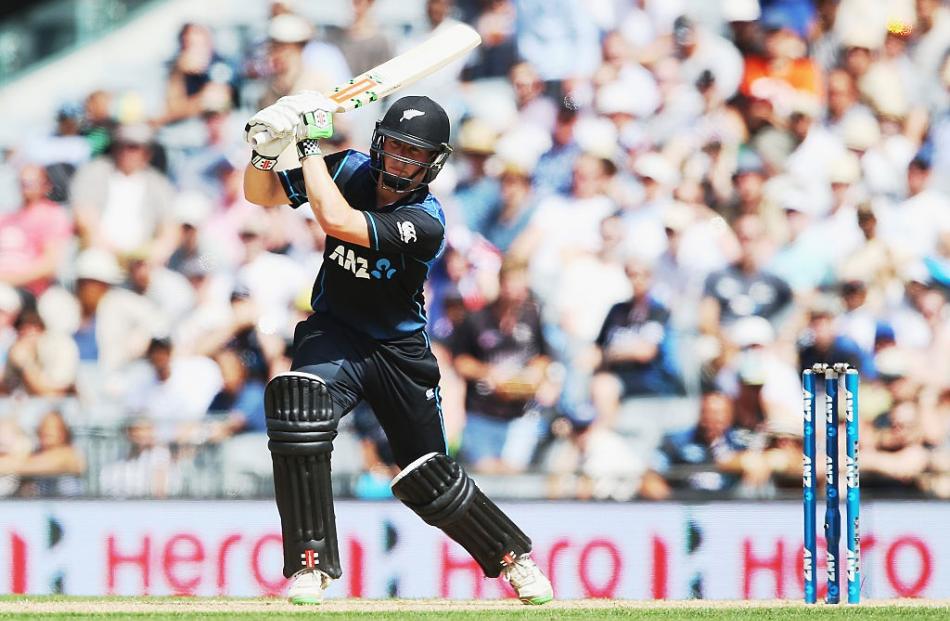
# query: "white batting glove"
[[309, 101], [269, 132]]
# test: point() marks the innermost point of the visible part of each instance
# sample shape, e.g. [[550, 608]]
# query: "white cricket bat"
[[447, 45]]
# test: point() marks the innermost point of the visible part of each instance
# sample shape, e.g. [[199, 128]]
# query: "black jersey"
[[375, 290]]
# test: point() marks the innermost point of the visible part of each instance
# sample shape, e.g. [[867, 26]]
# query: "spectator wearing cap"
[[241, 398], [273, 281], [191, 211], [698, 242], [644, 221], [824, 341], [744, 288], [60, 152], [218, 231], [913, 226], [553, 171], [515, 208], [741, 18], [503, 356], [884, 156], [873, 261], [287, 35], [115, 324], [748, 186], [632, 88], [635, 349], [858, 319], [784, 66], [172, 391], [32, 239], [921, 316], [700, 50], [121, 203], [40, 363], [237, 328], [814, 151], [847, 188], [826, 40], [198, 76], [860, 42], [720, 128], [754, 370], [477, 191], [98, 124]]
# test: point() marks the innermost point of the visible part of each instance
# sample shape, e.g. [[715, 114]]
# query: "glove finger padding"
[[279, 119], [309, 101]]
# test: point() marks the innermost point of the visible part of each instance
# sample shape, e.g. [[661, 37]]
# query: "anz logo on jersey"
[[359, 267]]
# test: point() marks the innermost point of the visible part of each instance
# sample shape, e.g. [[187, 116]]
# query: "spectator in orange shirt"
[[785, 66]]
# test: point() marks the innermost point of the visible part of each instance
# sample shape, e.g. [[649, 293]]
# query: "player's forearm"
[[262, 187], [335, 215]]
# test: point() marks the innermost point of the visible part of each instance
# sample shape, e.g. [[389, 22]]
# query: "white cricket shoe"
[[307, 586], [529, 583]]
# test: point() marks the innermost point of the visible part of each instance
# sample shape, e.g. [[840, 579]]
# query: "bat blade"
[[445, 46]]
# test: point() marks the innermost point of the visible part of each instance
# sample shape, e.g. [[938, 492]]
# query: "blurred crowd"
[[659, 212]]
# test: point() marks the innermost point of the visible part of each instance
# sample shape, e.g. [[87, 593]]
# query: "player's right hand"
[[269, 132]]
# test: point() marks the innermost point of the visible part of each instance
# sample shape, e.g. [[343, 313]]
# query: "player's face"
[[403, 151]]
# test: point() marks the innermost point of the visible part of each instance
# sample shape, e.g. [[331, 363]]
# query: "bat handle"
[[260, 138]]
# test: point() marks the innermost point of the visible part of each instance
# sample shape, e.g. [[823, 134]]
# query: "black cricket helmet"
[[418, 121]]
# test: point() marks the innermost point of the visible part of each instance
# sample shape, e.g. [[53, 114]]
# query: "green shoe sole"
[[537, 601], [303, 601]]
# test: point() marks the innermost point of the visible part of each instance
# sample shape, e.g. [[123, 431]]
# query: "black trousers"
[[398, 378]]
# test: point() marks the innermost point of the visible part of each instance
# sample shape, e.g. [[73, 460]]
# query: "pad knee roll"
[[437, 488], [301, 428]]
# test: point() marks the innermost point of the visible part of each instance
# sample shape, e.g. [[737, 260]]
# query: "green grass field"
[[165, 608]]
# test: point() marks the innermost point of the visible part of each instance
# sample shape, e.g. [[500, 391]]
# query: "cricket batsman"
[[366, 338]]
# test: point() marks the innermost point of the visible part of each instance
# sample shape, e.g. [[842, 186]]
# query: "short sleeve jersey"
[[375, 290]]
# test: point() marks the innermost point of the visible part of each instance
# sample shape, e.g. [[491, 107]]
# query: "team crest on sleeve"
[[407, 232]]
